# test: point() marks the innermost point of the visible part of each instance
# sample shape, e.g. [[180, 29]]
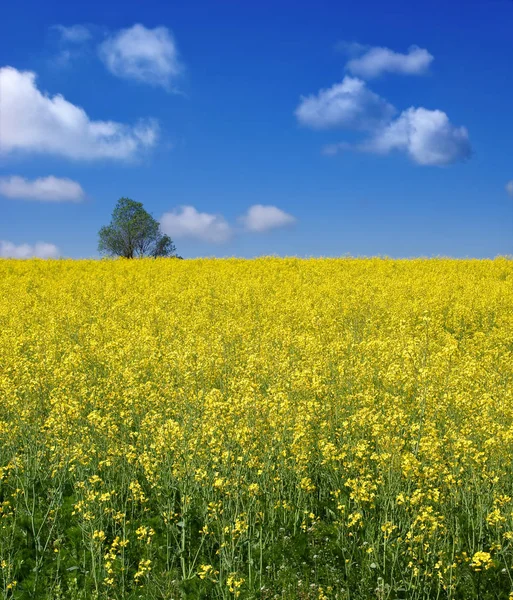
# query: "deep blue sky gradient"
[[231, 139]]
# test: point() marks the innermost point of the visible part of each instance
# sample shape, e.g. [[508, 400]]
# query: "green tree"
[[133, 232]]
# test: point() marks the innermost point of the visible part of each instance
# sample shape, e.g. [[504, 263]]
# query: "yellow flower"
[[234, 584], [208, 572], [143, 569], [166, 396], [481, 560], [99, 535], [495, 517]]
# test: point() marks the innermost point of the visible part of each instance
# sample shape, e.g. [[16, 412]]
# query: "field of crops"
[[269, 428]]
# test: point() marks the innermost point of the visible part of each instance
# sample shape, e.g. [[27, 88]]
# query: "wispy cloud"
[[74, 42], [145, 55], [32, 121], [75, 34], [351, 49], [43, 189], [509, 188], [38, 250], [378, 60]]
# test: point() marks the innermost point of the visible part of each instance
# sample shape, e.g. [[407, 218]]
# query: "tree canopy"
[[133, 232]]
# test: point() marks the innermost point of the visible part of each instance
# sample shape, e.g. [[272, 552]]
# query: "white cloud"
[[509, 187], [73, 44], [377, 61], [75, 34], [146, 55], [262, 218], [349, 104], [187, 222], [39, 250], [63, 59], [332, 149], [31, 121], [351, 48], [427, 136], [44, 189]]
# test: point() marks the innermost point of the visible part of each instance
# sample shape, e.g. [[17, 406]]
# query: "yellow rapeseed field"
[[268, 428]]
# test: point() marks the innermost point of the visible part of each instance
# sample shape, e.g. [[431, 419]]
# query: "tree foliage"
[[133, 232]]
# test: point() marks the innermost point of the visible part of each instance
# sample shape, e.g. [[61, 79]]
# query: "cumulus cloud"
[[146, 55], [43, 189], [75, 34], [427, 136], [509, 188], [187, 222], [39, 250], [260, 218], [376, 61], [31, 121], [349, 104]]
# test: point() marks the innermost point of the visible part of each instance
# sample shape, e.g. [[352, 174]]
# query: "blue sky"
[[307, 129]]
